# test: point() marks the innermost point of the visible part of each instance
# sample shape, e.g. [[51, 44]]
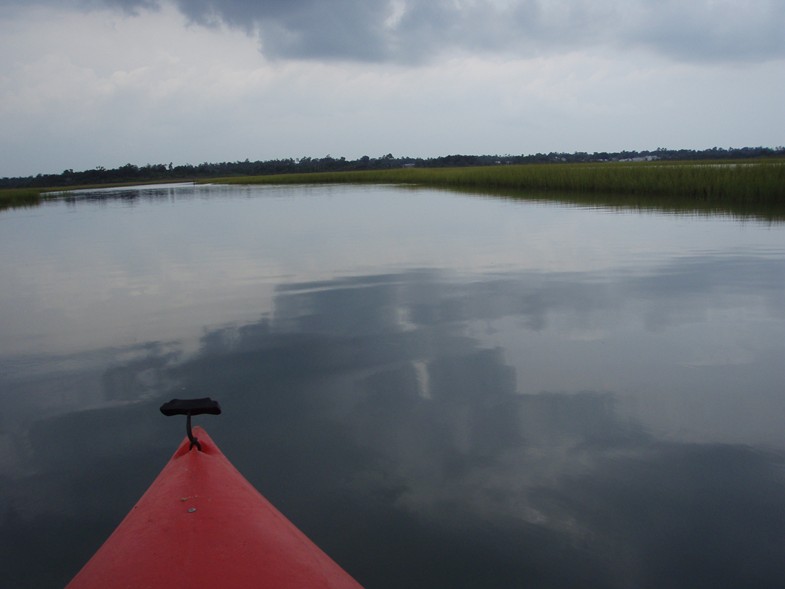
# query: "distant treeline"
[[164, 172]]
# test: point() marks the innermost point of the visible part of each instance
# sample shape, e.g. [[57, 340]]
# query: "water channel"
[[440, 389]]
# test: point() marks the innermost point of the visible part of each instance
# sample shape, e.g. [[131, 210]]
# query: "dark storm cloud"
[[129, 6], [352, 29], [414, 30], [707, 30], [419, 30]]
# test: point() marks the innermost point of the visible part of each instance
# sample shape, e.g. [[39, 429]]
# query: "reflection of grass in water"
[[747, 189], [772, 211], [30, 197]]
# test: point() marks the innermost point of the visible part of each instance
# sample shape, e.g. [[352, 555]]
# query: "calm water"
[[441, 390]]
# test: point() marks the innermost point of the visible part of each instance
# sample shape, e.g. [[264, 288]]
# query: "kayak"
[[201, 524]]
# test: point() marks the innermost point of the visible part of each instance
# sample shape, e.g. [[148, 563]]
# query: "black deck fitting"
[[189, 407]]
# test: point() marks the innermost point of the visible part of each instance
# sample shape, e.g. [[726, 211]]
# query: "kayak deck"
[[201, 524]]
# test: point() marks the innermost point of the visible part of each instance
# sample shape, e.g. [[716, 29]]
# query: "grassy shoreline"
[[710, 180], [31, 197], [19, 197], [747, 188]]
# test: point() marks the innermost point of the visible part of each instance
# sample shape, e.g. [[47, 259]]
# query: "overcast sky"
[[87, 83]]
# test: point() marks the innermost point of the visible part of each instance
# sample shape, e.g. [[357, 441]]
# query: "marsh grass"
[[19, 197], [756, 189]]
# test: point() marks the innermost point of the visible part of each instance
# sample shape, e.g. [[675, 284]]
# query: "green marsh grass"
[[19, 197], [747, 188]]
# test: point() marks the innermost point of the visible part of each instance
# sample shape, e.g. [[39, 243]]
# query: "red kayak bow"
[[201, 524]]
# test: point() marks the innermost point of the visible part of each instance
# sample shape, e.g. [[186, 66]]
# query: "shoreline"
[[746, 188]]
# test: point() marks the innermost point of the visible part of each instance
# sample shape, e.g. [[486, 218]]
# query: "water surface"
[[441, 390]]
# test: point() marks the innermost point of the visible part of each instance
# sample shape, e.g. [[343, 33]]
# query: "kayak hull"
[[201, 524]]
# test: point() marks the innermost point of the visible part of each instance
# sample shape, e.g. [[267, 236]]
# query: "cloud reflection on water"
[[416, 450], [466, 481]]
